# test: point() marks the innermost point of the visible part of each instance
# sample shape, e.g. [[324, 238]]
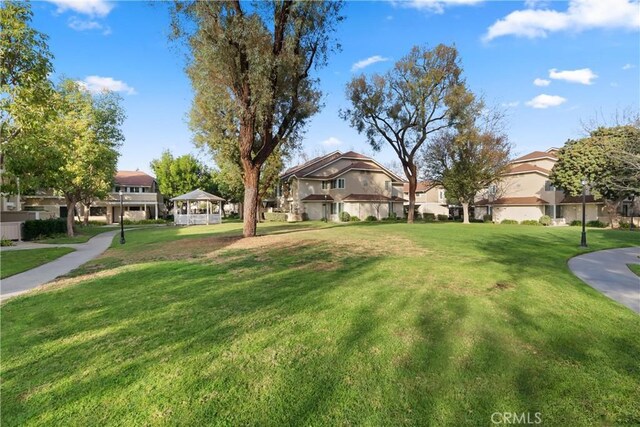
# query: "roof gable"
[[535, 155], [136, 178]]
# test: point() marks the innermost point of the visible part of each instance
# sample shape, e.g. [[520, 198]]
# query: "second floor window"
[[387, 185], [339, 183], [441, 195], [325, 185]]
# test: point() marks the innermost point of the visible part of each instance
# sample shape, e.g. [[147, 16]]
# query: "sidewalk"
[[84, 252], [607, 272]]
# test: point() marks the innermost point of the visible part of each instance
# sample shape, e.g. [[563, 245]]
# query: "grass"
[[84, 233], [313, 324], [17, 261], [635, 268]]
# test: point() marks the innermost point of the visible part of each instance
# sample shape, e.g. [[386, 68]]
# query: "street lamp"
[[583, 238], [324, 207], [121, 220]]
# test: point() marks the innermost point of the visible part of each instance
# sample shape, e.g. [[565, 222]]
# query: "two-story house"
[[526, 193], [430, 198], [339, 182], [140, 200]]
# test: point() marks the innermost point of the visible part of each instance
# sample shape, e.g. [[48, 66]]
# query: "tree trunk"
[[251, 181], [413, 183], [71, 204], [465, 213], [611, 206], [86, 214]]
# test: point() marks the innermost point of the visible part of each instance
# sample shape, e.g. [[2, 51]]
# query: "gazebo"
[[197, 207]]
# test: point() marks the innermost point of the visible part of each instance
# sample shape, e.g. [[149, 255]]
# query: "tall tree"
[[598, 158], [25, 63], [251, 73], [179, 175], [470, 158], [422, 94]]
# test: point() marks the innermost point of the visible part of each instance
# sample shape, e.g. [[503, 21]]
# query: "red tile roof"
[[513, 201], [354, 165], [535, 155], [422, 187], [578, 199], [136, 178], [318, 198], [526, 168], [372, 198]]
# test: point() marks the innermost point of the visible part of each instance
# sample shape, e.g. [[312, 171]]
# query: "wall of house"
[[541, 163], [593, 213], [434, 208], [519, 213], [528, 185], [315, 210], [355, 182], [333, 167]]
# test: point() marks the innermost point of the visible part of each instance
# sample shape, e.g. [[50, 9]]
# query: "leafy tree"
[[470, 158], [180, 175], [250, 71], [422, 94], [25, 63], [606, 159], [79, 144]]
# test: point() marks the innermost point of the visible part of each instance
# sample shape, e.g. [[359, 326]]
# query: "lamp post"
[[121, 220], [583, 238], [324, 206]]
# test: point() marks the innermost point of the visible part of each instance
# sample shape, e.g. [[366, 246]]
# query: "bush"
[[233, 215], [393, 216], [442, 217], [545, 220], [275, 217], [371, 218], [344, 216], [530, 222], [354, 219], [623, 225], [596, 223], [305, 216], [487, 218], [91, 223], [576, 223], [6, 242], [429, 217], [38, 228], [508, 221]]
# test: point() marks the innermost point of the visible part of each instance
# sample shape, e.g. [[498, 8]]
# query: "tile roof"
[[318, 198], [295, 170], [372, 198], [420, 188], [578, 199], [535, 155], [513, 201], [136, 178], [354, 165], [526, 168]]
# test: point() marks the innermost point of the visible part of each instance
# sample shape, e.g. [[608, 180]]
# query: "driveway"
[[607, 272], [23, 282]]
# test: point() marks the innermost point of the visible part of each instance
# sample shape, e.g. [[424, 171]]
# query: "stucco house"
[[141, 200], [339, 182], [430, 198]]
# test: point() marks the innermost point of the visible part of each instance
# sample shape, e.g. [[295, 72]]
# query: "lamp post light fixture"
[[121, 220], [583, 238]]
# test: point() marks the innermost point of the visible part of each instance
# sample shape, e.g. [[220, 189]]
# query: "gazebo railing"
[[197, 219]]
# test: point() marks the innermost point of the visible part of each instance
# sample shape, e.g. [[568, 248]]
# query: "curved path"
[[22, 282], [607, 272]]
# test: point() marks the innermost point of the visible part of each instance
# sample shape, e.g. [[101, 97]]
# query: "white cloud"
[[541, 82], [332, 141], [583, 76], [99, 8], [628, 66], [366, 62], [78, 24], [97, 84], [546, 101], [435, 6], [580, 15]]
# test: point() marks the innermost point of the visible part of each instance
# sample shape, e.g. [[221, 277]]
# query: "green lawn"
[[82, 234], [313, 324], [635, 268], [17, 261]]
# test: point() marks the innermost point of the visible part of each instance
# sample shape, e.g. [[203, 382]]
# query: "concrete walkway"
[[607, 272], [22, 282]]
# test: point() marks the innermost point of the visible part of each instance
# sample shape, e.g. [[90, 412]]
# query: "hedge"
[[508, 221], [429, 217], [442, 217], [545, 220], [530, 222], [344, 216], [275, 216], [38, 228]]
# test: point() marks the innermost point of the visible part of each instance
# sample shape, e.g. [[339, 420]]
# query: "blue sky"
[[548, 64]]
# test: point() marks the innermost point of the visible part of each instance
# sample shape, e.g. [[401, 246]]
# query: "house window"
[[145, 190], [548, 186], [134, 189], [559, 211], [441, 195], [337, 208], [98, 211], [387, 185], [116, 189], [390, 208], [135, 208], [493, 190], [337, 183], [325, 185], [548, 210]]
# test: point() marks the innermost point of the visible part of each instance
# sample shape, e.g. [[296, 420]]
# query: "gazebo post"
[[208, 210], [188, 212]]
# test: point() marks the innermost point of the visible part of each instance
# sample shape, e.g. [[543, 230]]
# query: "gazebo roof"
[[199, 195]]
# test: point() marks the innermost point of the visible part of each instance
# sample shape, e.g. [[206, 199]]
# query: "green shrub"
[[6, 242], [623, 225], [429, 217], [508, 221], [487, 218], [371, 218], [576, 223], [393, 216], [596, 224], [91, 223], [38, 228], [344, 216], [354, 219], [530, 222], [442, 217], [305, 216], [275, 216], [545, 220]]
